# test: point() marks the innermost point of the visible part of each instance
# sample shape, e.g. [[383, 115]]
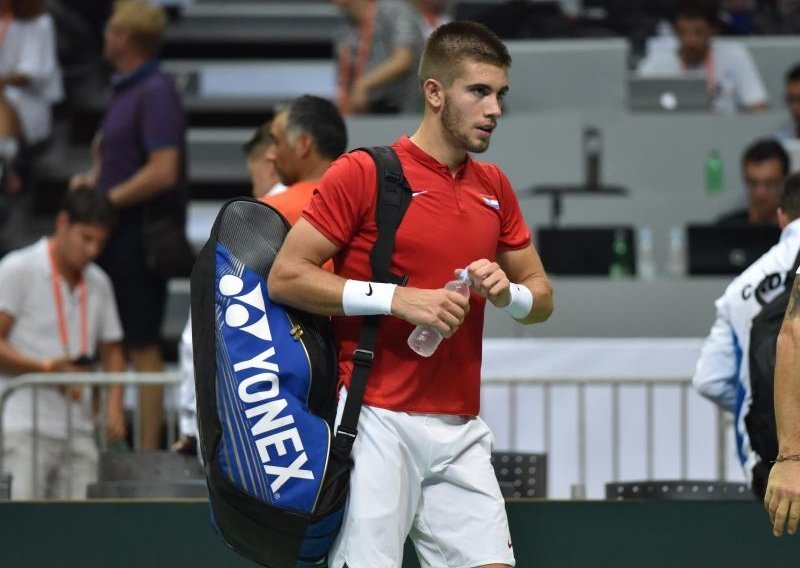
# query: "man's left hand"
[[115, 424], [782, 498], [490, 281]]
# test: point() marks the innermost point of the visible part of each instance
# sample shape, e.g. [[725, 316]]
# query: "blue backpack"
[[266, 377]]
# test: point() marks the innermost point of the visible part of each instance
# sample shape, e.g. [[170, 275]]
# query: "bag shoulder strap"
[[393, 196]]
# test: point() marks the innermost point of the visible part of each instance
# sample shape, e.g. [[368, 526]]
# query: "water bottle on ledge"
[[423, 340]]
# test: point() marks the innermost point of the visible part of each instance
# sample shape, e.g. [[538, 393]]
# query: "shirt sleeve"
[[38, 52], [163, 120], [514, 233], [750, 87], [343, 198], [14, 283], [717, 372]]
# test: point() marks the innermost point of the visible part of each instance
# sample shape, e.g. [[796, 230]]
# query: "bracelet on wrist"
[[521, 301], [361, 298], [789, 457]]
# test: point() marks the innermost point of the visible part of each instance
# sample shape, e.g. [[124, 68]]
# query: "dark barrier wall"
[[547, 533]]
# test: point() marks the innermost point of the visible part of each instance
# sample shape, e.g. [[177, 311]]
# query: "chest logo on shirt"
[[418, 193], [491, 201]]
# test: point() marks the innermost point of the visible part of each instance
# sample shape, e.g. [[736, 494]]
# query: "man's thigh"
[[461, 520], [384, 492]]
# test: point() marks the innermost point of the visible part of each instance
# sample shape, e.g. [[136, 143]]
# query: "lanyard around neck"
[[63, 330], [350, 71]]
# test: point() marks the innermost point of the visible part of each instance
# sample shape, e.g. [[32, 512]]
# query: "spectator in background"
[[733, 81], [56, 306], [378, 53], [765, 165], [259, 151], [30, 77], [723, 369], [141, 168], [309, 135], [792, 98], [432, 14]]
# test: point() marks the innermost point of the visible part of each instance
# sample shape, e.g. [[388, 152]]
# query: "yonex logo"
[[237, 315], [260, 390]]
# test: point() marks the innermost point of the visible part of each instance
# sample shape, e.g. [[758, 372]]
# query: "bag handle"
[[393, 196]]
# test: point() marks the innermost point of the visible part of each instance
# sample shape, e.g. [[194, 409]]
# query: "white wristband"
[[367, 298], [521, 301]]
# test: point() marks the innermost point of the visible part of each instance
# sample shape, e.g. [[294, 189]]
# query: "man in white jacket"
[[722, 372]]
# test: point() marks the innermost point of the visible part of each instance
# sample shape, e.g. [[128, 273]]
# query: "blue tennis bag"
[[265, 377]]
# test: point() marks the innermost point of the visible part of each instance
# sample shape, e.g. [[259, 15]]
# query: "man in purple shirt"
[[139, 163]]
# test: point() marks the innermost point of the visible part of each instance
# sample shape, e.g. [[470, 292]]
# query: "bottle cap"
[[463, 275]]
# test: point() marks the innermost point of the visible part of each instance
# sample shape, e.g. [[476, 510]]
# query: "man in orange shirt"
[[308, 136]]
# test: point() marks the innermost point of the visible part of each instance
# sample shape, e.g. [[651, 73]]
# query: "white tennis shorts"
[[428, 476]]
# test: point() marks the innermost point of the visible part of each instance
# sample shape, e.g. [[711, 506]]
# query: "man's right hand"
[[442, 310]]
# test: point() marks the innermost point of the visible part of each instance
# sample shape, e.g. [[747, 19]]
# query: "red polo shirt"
[[450, 222]]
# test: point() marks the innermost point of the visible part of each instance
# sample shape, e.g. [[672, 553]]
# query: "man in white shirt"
[[734, 83], [723, 370], [58, 314], [792, 98]]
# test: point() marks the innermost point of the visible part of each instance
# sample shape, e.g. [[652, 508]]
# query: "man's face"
[[694, 38], [115, 40], [472, 105], [80, 243], [793, 100], [285, 154], [764, 181], [261, 166]]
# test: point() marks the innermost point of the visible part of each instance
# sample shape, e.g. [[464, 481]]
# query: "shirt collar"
[[119, 80], [790, 229], [405, 144]]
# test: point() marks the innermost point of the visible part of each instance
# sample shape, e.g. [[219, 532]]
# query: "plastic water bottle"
[[646, 258], [620, 266], [714, 173], [423, 340], [676, 261]]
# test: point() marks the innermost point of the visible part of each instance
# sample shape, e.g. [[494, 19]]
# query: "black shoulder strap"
[[393, 196]]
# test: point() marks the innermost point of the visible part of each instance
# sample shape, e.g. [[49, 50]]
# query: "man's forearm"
[[155, 176], [15, 363], [787, 383], [306, 286]]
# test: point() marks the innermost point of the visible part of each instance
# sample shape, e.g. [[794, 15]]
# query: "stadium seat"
[[521, 475], [152, 465], [683, 489]]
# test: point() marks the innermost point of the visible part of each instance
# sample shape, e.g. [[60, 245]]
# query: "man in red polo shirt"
[[422, 454]]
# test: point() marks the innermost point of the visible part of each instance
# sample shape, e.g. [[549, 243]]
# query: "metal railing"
[[581, 384], [35, 381]]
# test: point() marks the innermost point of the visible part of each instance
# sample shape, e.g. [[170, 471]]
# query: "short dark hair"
[[261, 139], [321, 119], [765, 149], [707, 10], [88, 206], [452, 43], [793, 74], [790, 196]]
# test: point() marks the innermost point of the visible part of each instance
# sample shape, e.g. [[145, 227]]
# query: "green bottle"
[[620, 266], [714, 173]]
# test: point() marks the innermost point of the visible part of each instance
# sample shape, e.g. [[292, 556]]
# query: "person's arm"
[[14, 362], [14, 79], [396, 65], [523, 267], [160, 173], [716, 373], [782, 498], [297, 279], [90, 177], [113, 361]]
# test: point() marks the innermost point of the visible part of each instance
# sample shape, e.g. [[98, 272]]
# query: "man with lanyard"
[[378, 52], [422, 455], [732, 78], [57, 314], [140, 165]]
